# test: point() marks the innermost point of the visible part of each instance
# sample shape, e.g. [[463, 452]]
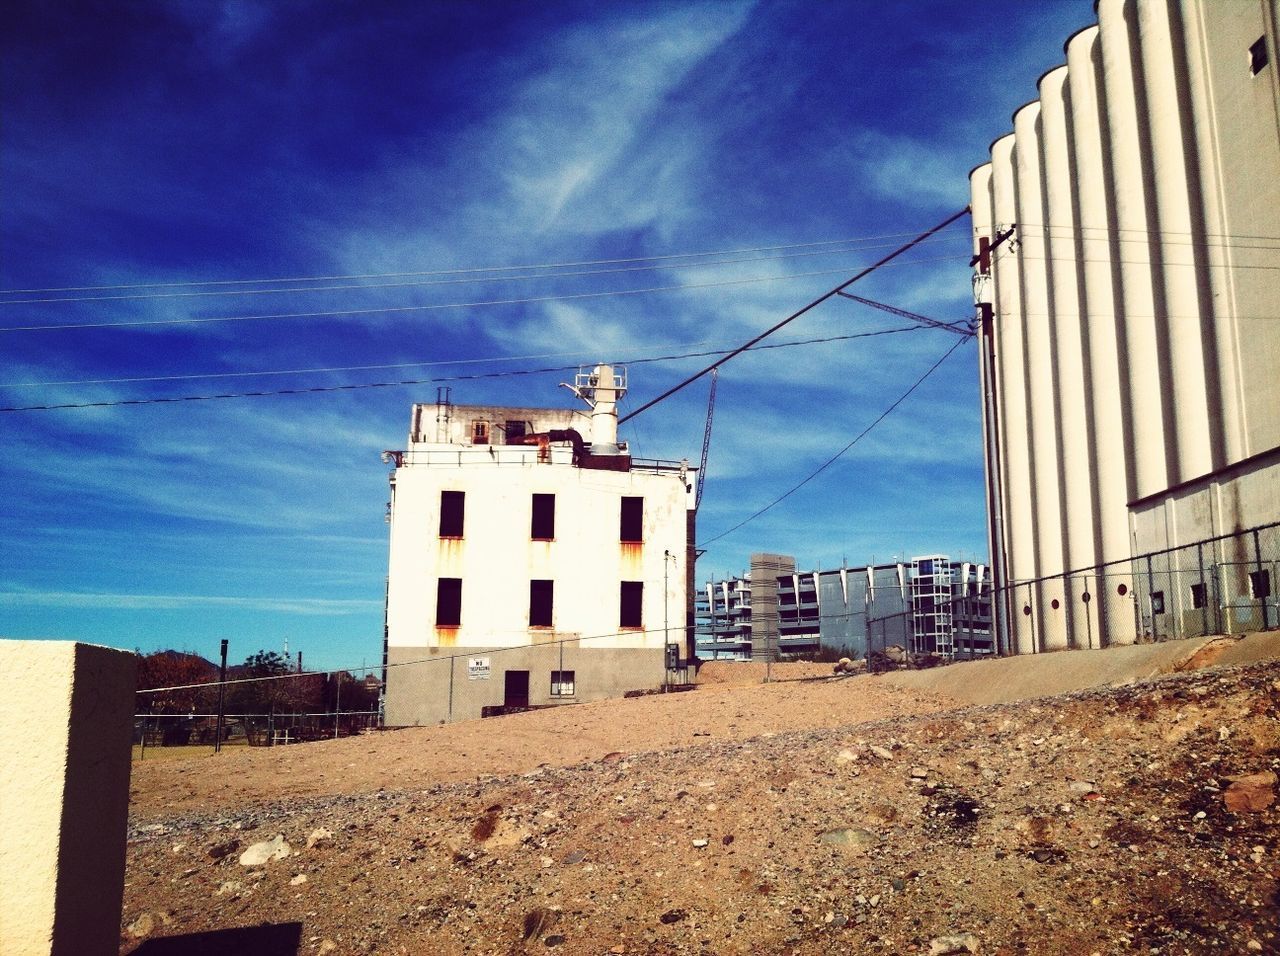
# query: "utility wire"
[[834, 458], [460, 271], [202, 376], [1230, 237], [422, 283], [799, 312], [347, 313], [359, 386]]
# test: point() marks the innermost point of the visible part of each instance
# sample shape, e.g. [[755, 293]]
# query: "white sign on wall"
[[478, 668]]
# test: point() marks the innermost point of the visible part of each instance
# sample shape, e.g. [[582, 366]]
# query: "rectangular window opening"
[[541, 601], [543, 525], [630, 612], [1260, 584], [479, 432], [1197, 595], [632, 525], [1258, 57], [562, 684], [452, 513], [514, 431], [448, 602], [1157, 602]]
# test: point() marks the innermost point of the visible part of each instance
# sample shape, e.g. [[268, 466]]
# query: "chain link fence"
[[1219, 585]]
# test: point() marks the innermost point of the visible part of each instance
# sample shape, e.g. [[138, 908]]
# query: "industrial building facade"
[[929, 606], [1127, 257], [532, 561]]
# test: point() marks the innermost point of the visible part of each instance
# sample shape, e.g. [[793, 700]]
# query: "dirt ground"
[[812, 817], [163, 785]]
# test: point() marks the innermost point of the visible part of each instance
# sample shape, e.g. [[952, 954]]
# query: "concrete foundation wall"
[[1233, 500], [65, 730], [419, 693]]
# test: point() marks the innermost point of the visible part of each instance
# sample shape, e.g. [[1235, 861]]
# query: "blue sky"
[[171, 142]]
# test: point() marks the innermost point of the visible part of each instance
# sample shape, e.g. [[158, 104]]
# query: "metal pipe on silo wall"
[[1178, 268], [1075, 451], [1112, 432], [1045, 464], [1012, 394], [1130, 247]]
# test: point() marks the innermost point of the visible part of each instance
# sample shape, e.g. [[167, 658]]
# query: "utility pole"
[[1001, 605]]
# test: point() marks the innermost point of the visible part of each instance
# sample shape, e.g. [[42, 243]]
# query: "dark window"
[[1197, 595], [1260, 584], [541, 599], [1157, 602], [562, 684], [632, 528], [514, 431], [1258, 56], [543, 525], [479, 432], [448, 602], [452, 511], [630, 614]]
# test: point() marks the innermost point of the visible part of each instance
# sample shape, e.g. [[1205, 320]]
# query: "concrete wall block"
[[65, 729]]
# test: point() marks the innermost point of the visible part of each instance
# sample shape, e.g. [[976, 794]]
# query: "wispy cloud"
[[170, 602]]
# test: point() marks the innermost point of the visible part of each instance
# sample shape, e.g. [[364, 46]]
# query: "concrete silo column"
[[1130, 247], [1074, 411], [1033, 259], [1011, 378], [1112, 433]]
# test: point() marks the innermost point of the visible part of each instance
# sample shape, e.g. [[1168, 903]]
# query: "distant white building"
[[532, 560]]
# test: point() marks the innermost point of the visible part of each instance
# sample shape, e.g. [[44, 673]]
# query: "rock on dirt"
[[1250, 793], [259, 853]]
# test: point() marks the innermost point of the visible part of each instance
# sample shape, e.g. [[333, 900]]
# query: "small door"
[[516, 689]]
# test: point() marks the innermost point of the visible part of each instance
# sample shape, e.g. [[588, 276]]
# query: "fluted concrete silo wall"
[[1136, 327], [1011, 367], [1110, 424]]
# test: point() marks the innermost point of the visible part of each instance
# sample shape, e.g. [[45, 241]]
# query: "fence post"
[[1260, 592], [1204, 591], [1088, 621], [1151, 603], [450, 720], [222, 697], [1031, 618]]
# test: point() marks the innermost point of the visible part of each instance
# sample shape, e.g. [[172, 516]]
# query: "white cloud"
[[153, 602]]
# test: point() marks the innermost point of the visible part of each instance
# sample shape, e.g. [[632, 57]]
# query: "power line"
[[1229, 237], [422, 283], [834, 458], [799, 312], [348, 313], [359, 386], [429, 364], [307, 371], [460, 271]]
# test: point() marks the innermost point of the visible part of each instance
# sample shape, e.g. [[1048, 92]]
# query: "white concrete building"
[[533, 561], [1131, 353]]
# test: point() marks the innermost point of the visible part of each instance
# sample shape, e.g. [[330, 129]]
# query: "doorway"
[[516, 690]]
